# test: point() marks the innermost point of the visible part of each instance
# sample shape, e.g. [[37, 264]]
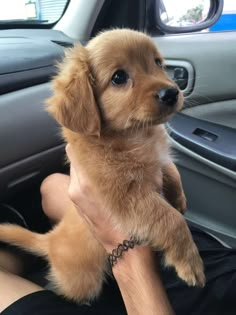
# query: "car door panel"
[[30, 139], [209, 185], [212, 57], [212, 141], [27, 58], [210, 192], [222, 113], [34, 130]]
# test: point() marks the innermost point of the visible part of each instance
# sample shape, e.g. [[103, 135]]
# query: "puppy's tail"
[[30, 241]]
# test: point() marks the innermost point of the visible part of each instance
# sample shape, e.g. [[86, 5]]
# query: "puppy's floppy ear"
[[73, 104]]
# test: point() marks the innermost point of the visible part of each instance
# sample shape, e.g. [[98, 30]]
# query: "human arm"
[[140, 283], [135, 272]]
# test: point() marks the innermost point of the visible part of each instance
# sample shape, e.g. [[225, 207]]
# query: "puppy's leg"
[[78, 261], [165, 229], [30, 241], [172, 187], [171, 234]]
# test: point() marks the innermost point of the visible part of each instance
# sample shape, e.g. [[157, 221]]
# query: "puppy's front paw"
[[188, 265], [193, 272]]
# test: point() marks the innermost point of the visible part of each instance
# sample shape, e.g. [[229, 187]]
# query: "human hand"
[[91, 206]]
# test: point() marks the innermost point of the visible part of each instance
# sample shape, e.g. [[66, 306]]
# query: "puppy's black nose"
[[168, 96]]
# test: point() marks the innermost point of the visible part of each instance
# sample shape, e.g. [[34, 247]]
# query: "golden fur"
[[119, 138]]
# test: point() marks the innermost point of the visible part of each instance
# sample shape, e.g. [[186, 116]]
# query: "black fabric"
[[219, 294], [11, 215], [48, 303], [218, 297]]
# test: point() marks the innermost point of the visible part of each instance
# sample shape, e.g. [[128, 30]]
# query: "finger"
[[74, 177], [74, 161], [85, 217], [69, 152], [71, 156]]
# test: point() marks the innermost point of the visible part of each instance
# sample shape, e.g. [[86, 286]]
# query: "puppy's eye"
[[119, 77], [159, 63]]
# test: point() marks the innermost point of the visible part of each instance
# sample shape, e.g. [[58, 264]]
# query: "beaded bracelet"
[[118, 252]]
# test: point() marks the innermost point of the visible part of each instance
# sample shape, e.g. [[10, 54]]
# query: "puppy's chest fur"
[[119, 163]]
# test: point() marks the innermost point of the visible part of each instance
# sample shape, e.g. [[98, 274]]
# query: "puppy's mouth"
[[166, 111], [162, 115], [150, 120]]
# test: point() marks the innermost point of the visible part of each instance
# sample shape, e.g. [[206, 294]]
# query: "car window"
[[184, 13], [31, 11], [227, 21], [187, 13]]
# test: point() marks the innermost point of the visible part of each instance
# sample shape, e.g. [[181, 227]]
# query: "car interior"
[[202, 135]]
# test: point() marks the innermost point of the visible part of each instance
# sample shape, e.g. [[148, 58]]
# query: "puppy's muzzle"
[[168, 96]]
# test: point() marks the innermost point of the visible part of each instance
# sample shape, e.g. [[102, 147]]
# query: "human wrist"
[[132, 260], [120, 250], [109, 238]]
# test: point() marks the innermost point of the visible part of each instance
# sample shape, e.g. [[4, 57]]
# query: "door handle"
[[182, 73]]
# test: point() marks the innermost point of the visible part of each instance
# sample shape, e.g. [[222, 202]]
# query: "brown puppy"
[[112, 98]]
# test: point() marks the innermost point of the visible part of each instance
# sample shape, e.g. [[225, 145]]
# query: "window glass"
[[31, 11], [186, 13], [227, 21]]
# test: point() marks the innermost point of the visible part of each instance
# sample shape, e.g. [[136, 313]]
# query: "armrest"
[[215, 142]]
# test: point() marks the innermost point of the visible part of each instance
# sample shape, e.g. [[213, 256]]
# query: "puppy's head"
[[116, 82]]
